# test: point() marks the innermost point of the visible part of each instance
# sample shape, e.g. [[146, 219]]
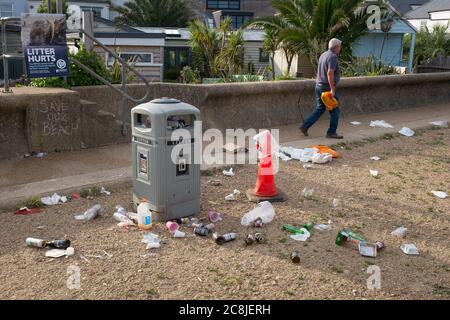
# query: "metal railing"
[[123, 88], [5, 55], [124, 66]]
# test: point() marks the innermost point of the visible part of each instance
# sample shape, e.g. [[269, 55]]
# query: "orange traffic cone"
[[265, 188], [265, 182]]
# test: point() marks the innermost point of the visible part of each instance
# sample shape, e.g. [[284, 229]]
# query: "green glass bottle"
[[292, 229]]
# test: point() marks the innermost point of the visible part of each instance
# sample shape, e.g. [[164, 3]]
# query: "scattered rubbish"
[[313, 154], [367, 249], [307, 192], [214, 217], [40, 154], [249, 239], [26, 211], [440, 194], [105, 255], [152, 240], [123, 217], [295, 257], [259, 237], [264, 210], [439, 123], [301, 236], [89, 214], [325, 149], [258, 223], [172, 226], [322, 227], [375, 158], [214, 182], [308, 166], [380, 124], [34, 242], [399, 232], [356, 123], [282, 156], [39, 243], [233, 148], [144, 216], [179, 234], [335, 203], [57, 253], [210, 226], [221, 239], [104, 191], [409, 249], [75, 196], [406, 132], [348, 235], [201, 231], [228, 173], [233, 196], [374, 173], [53, 200]]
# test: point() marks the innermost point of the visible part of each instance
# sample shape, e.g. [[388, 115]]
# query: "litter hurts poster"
[[44, 45]]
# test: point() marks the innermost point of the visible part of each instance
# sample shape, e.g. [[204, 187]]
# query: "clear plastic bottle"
[[145, 218]]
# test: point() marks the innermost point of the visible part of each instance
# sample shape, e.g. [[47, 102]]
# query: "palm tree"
[[217, 52], [431, 43], [270, 45], [154, 13], [307, 25], [43, 6]]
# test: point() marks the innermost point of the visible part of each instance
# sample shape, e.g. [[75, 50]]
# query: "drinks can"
[[259, 237], [380, 245], [201, 231], [249, 239], [226, 238], [258, 223], [295, 257], [210, 226], [340, 238], [34, 242]]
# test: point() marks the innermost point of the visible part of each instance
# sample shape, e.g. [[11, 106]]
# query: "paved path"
[[68, 171]]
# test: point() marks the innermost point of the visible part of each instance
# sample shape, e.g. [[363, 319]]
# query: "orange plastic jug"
[[329, 100]]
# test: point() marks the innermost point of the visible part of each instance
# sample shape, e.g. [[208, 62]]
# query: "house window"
[[223, 4], [237, 20], [263, 55], [96, 10], [138, 59], [6, 10]]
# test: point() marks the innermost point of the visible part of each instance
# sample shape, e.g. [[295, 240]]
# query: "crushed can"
[[249, 239], [221, 239], [201, 231], [33, 242], [295, 257], [258, 223], [259, 237], [380, 245]]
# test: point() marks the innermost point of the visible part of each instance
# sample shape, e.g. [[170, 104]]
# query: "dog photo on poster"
[[44, 45]]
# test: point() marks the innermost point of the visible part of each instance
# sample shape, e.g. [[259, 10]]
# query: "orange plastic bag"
[[329, 100], [325, 149]]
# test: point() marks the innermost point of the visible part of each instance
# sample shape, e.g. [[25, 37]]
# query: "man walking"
[[328, 77]]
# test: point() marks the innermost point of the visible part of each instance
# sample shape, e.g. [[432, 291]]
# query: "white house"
[[100, 8], [432, 13]]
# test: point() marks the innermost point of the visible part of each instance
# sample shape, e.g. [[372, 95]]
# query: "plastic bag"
[[380, 124], [89, 214], [152, 240], [51, 201], [406, 132], [301, 236], [265, 211], [440, 194]]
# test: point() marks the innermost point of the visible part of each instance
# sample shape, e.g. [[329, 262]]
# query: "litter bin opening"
[[143, 121], [180, 121]]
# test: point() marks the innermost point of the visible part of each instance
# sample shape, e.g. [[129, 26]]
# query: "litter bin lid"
[[165, 100]]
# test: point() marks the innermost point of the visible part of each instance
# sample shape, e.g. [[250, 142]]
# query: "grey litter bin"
[[169, 183]]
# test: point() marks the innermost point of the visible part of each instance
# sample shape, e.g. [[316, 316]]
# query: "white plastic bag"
[[322, 158], [152, 240], [265, 211], [374, 173], [375, 158], [440, 194], [406, 132], [439, 123], [399, 232], [301, 236], [228, 173], [51, 201], [380, 124]]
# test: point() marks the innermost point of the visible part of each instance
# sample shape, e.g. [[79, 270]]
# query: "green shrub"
[[33, 202], [78, 77], [368, 66], [190, 75]]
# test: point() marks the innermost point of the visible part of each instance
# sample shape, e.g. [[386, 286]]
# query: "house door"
[[175, 58]]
